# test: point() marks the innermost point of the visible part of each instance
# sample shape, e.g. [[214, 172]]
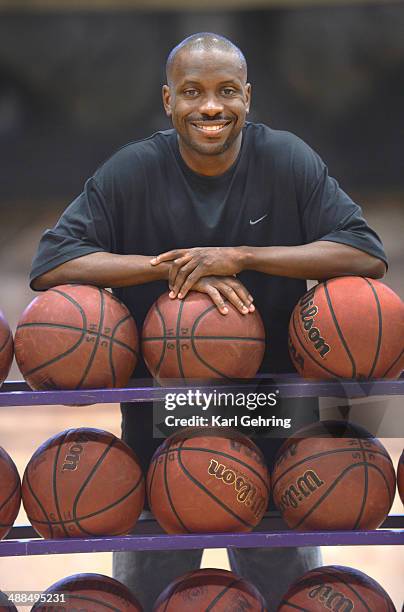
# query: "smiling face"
[[207, 100]]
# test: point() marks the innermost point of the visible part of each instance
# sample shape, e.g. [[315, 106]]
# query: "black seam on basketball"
[[222, 454], [205, 363], [11, 495], [178, 347], [294, 606], [99, 511], [194, 337], [238, 338], [341, 577], [323, 367], [220, 595], [393, 364], [87, 480], [54, 477], [365, 488], [9, 335], [211, 495], [325, 453], [380, 327], [339, 330], [30, 518], [174, 591], [194, 347], [97, 339], [170, 501], [328, 491], [58, 357], [149, 488], [123, 344], [90, 332], [70, 595], [111, 345], [382, 474], [164, 347]]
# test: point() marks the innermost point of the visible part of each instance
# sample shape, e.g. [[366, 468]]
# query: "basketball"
[[10, 493], [85, 592], [5, 604], [400, 477], [83, 482], [6, 348], [76, 337], [349, 327], [210, 589], [334, 587], [331, 476], [189, 338], [202, 480]]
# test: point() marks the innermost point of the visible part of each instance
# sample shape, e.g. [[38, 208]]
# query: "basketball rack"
[[272, 531]]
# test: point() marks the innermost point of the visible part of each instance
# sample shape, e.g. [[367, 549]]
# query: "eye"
[[191, 92], [229, 91]]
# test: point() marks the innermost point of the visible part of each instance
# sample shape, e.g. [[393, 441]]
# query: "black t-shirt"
[[144, 200]]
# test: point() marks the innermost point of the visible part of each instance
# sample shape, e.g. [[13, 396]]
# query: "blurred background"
[[79, 79]]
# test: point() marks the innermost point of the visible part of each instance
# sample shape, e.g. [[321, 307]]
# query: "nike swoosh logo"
[[258, 220]]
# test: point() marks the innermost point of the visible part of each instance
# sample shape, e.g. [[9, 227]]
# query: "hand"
[[189, 265], [226, 287]]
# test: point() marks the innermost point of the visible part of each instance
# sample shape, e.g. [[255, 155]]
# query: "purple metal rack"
[[271, 531], [149, 536], [289, 385]]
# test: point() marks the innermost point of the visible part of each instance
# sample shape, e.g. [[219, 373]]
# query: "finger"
[[217, 299], [233, 297], [191, 280], [167, 256], [241, 292], [174, 269], [181, 277]]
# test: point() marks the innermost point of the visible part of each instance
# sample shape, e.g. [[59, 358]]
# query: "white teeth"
[[210, 128]]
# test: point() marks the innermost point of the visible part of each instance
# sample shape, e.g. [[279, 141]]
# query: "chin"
[[213, 148]]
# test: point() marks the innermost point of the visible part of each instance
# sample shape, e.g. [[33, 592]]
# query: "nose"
[[211, 105]]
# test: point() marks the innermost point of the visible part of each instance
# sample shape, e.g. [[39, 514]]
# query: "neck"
[[210, 165]]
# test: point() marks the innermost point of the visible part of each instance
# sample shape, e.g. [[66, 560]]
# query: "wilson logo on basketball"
[[331, 599], [304, 487], [71, 461], [246, 492], [307, 313]]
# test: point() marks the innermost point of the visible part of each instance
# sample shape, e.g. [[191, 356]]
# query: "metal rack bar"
[[207, 540], [288, 385]]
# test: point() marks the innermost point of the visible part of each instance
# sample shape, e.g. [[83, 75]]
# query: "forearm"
[[104, 270], [315, 261]]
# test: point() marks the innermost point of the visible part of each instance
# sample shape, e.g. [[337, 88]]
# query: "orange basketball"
[[210, 589], [189, 338], [329, 476], [334, 587], [76, 337], [83, 482], [10, 493], [349, 327], [400, 477], [89, 592], [202, 480], [6, 348]]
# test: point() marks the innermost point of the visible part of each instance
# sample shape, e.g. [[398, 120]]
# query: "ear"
[[166, 100], [248, 96]]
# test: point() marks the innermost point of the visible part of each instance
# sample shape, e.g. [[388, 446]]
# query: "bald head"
[[205, 42]]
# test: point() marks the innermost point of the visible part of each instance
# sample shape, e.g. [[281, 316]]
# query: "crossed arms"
[[213, 270]]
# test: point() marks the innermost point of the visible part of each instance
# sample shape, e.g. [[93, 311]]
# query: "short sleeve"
[[327, 212], [86, 226]]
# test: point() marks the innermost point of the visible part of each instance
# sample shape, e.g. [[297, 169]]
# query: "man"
[[228, 208]]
